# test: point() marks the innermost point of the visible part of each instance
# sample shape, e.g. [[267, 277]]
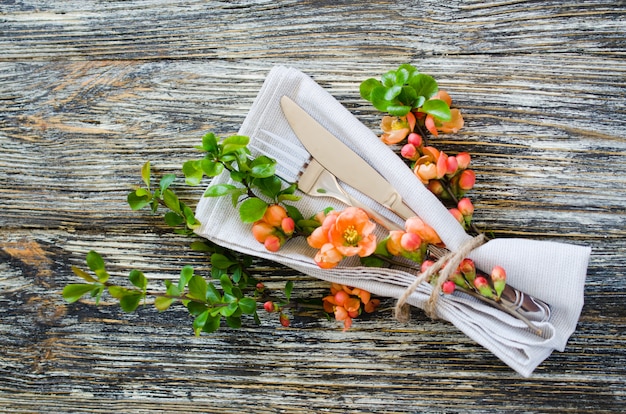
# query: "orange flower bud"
[[261, 230], [274, 215], [467, 180]]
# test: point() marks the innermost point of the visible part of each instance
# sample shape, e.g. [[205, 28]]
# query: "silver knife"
[[344, 163]]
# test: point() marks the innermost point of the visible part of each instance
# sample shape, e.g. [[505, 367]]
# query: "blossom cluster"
[[347, 303], [274, 228]]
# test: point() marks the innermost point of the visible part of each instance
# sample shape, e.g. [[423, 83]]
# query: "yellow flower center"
[[351, 236]]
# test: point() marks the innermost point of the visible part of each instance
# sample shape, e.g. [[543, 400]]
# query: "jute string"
[[448, 265]]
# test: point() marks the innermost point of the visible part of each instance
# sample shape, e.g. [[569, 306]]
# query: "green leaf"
[[213, 295], [173, 219], [378, 99], [252, 210], [96, 264], [288, 289], [202, 246], [162, 303], [398, 110], [247, 305], [366, 87], [73, 292], [262, 167], [219, 190], [408, 96], [227, 284], [166, 181], [200, 321], [295, 214], [402, 75], [193, 172], [83, 275], [270, 186], [190, 218], [234, 143], [94, 261], [237, 274], [389, 79], [230, 309], [212, 324], [197, 288], [393, 92], [196, 308], [137, 202], [437, 108], [145, 173], [137, 278], [209, 142], [424, 85], [186, 274], [234, 322], [130, 302], [171, 200], [212, 168], [220, 261]]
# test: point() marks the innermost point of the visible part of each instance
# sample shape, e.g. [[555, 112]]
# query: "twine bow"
[[448, 265]]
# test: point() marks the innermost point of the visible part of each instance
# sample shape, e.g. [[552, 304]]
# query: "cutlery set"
[[331, 162]]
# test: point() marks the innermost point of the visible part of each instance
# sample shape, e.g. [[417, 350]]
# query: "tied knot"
[[448, 265]]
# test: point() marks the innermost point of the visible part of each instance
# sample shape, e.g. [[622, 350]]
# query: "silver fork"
[[316, 181]]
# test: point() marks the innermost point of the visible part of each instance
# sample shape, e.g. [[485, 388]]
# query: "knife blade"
[[336, 157], [342, 161]]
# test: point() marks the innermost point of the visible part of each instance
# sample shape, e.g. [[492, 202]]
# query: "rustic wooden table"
[[89, 90]]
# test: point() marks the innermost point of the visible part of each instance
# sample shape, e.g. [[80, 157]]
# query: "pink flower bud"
[[415, 139], [483, 287], [425, 265], [457, 215], [284, 320], [448, 287], [463, 159], [498, 277], [467, 180], [452, 165], [468, 269], [409, 152], [466, 207], [272, 243], [260, 286], [269, 306], [288, 226], [410, 242], [341, 297]]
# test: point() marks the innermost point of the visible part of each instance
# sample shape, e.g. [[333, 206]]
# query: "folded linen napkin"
[[552, 272]]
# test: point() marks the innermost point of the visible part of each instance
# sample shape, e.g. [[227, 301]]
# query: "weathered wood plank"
[[90, 90], [306, 29]]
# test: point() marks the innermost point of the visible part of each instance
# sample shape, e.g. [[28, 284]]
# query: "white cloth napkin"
[[552, 272]]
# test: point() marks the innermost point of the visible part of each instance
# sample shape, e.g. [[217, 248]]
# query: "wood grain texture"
[[90, 90]]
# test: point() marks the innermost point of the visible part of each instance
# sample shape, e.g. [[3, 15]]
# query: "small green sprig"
[[179, 214], [405, 90], [254, 176], [203, 299]]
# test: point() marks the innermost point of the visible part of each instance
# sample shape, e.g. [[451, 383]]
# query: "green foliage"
[[404, 90], [258, 186], [180, 215]]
